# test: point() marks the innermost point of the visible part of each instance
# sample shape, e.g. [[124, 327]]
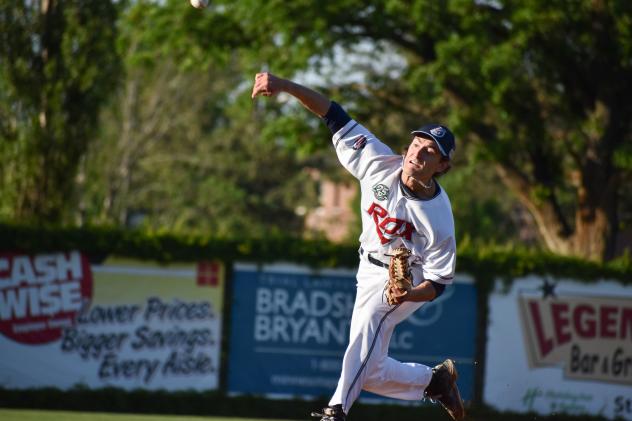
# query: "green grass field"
[[29, 415]]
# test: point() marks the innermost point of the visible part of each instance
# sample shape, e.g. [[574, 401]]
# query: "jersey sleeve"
[[439, 262], [359, 151]]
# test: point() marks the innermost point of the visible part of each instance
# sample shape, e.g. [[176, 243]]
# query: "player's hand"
[[267, 84], [397, 295]]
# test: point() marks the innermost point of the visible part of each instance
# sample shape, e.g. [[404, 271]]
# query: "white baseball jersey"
[[391, 217]]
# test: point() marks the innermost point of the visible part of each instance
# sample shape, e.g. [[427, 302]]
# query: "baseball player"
[[403, 208]]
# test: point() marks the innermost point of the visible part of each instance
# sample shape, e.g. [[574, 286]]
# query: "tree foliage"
[[57, 65], [181, 144], [537, 93], [540, 88]]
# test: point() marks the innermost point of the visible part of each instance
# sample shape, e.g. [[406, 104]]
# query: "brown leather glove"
[[400, 280]]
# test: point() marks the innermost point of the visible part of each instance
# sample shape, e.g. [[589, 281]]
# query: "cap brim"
[[433, 138]]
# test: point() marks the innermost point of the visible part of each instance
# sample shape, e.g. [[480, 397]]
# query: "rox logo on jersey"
[[389, 228]]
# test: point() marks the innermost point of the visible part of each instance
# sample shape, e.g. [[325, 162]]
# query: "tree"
[[190, 162], [541, 88], [58, 64], [181, 145]]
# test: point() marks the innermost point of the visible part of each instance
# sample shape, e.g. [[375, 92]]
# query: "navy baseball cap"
[[441, 135]]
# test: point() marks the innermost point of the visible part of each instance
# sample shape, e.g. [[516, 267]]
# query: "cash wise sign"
[[591, 337], [41, 295]]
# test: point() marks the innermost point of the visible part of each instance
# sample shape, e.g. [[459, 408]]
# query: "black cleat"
[[443, 388], [331, 413]]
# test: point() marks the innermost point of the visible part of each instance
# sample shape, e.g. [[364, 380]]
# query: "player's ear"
[[444, 167]]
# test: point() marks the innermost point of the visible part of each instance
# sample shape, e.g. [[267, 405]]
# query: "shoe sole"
[[453, 376]]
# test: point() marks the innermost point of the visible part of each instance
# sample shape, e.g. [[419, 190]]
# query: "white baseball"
[[199, 4]]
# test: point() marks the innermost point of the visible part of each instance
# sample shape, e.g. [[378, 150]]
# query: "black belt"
[[373, 259]]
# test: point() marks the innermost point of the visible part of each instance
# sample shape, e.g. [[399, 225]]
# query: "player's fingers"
[[257, 89], [262, 85], [398, 294], [262, 93], [400, 299]]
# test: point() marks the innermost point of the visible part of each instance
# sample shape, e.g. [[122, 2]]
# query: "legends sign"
[[559, 346], [590, 337]]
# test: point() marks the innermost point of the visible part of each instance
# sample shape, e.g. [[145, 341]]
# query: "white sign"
[[560, 346], [129, 324]]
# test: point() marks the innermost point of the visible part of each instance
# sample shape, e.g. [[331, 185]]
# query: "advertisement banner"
[[560, 346], [127, 324], [290, 327]]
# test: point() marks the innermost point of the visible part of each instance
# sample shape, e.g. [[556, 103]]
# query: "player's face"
[[423, 158]]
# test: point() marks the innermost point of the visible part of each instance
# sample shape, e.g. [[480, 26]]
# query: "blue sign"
[[290, 327]]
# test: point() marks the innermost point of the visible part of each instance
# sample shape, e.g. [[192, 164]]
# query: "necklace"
[[426, 186]]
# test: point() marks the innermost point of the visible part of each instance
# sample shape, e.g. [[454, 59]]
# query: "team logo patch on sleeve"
[[381, 191], [359, 143]]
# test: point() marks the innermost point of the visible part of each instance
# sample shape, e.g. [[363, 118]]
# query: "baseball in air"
[[199, 4]]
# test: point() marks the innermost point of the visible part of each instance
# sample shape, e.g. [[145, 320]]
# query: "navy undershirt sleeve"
[[336, 117], [439, 288]]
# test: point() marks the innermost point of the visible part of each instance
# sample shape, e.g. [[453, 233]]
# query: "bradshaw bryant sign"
[[127, 324], [291, 328], [560, 346]]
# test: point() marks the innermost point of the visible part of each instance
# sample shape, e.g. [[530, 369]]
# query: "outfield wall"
[[532, 343]]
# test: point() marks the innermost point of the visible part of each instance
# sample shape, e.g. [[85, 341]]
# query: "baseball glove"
[[400, 280]]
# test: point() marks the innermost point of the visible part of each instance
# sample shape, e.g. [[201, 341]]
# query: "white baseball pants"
[[366, 364]]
